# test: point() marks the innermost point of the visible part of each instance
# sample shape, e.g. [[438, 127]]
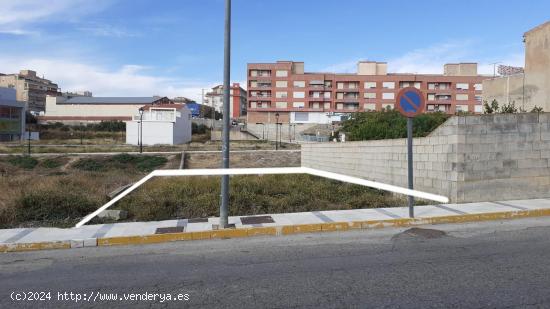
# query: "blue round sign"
[[410, 102]]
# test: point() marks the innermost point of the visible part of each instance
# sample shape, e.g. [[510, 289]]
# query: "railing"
[[265, 171]]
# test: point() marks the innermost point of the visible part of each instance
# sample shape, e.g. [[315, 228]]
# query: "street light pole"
[[277, 131], [224, 205], [141, 130]]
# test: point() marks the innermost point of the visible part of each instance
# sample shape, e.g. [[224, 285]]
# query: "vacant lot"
[[59, 191]]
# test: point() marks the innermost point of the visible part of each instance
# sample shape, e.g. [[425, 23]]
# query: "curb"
[[269, 231]]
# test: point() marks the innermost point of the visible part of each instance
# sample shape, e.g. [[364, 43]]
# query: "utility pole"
[[224, 205]]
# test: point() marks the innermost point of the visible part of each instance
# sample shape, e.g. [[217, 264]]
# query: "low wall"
[[468, 158]]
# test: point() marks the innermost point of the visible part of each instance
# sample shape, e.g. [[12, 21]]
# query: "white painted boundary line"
[[264, 171]]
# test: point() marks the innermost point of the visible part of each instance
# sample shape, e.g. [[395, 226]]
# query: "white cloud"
[[17, 15], [127, 80], [430, 60], [105, 30], [342, 67]]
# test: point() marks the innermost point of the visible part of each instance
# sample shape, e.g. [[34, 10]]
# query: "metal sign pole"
[[410, 163], [224, 205]]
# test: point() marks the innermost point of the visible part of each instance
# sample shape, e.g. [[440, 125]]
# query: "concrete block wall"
[[468, 158]]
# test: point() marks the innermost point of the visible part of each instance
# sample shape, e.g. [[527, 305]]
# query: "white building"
[[166, 124], [75, 108]]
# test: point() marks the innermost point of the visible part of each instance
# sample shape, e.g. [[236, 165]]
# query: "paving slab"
[[22, 239]]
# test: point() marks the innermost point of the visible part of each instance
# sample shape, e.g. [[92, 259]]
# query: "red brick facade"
[[346, 93]]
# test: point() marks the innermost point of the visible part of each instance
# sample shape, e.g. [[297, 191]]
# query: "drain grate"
[[198, 220], [257, 220], [168, 230]]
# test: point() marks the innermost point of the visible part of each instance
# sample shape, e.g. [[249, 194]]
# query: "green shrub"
[[389, 124], [198, 128], [142, 163], [53, 204], [53, 162], [88, 164], [25, 162]]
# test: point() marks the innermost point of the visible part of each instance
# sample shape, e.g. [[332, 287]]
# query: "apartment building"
[[12, 116], [529, 87], [30, 89], [284, 91], [238, 96]]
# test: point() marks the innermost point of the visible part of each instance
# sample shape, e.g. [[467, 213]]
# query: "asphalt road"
[[501, 264]]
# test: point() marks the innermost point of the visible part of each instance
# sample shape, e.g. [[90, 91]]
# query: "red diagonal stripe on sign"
[[409, 100]]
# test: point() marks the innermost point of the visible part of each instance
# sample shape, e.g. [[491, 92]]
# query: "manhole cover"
[[416, 232], [198, 220], [167, 230], [257, 220]]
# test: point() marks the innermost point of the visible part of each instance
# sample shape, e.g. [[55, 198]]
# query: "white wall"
[[161, 132], [182, 127], [315, 117], [88, 110]]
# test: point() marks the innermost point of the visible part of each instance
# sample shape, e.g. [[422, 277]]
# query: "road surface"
[[500, 264]]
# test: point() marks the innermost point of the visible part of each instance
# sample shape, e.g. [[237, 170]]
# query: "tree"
[[509, 108], [537, 109]]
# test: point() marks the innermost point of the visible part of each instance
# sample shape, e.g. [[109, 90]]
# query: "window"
[[299, 83], [478, 98], [388, 106], [388, 95], [430, 107], [478, 87], [340, 106], [478, 108], [339, 95], [340, 85], [301, 117], [253, 104], [431, 96], [281, 104], [315, 105], [298, 94], [281, 84], [370, 95], [281, 94], [253, 83], [462, 97], [462, 86], [298, 104], [253, 73], [370, 85], [353, 85], [327, 105], [461, 108], [388, 85], [280, 73], [417, 85], [370, 107]]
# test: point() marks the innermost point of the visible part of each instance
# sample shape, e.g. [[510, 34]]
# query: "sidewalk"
[[26, 239]]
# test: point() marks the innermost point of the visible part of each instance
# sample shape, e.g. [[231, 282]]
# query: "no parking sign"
[[410, 103]]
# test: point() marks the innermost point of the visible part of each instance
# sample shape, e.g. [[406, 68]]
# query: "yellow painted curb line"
[[35, 246], [280, 230]]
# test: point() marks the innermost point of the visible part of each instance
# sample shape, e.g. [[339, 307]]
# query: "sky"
[[175, 47]]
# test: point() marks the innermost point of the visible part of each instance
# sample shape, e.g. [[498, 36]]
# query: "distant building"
[[75, 109], [30, 89], [193, 106], [163, 124], [12, 116], [238, 97], [284, 88], [531, 87]]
